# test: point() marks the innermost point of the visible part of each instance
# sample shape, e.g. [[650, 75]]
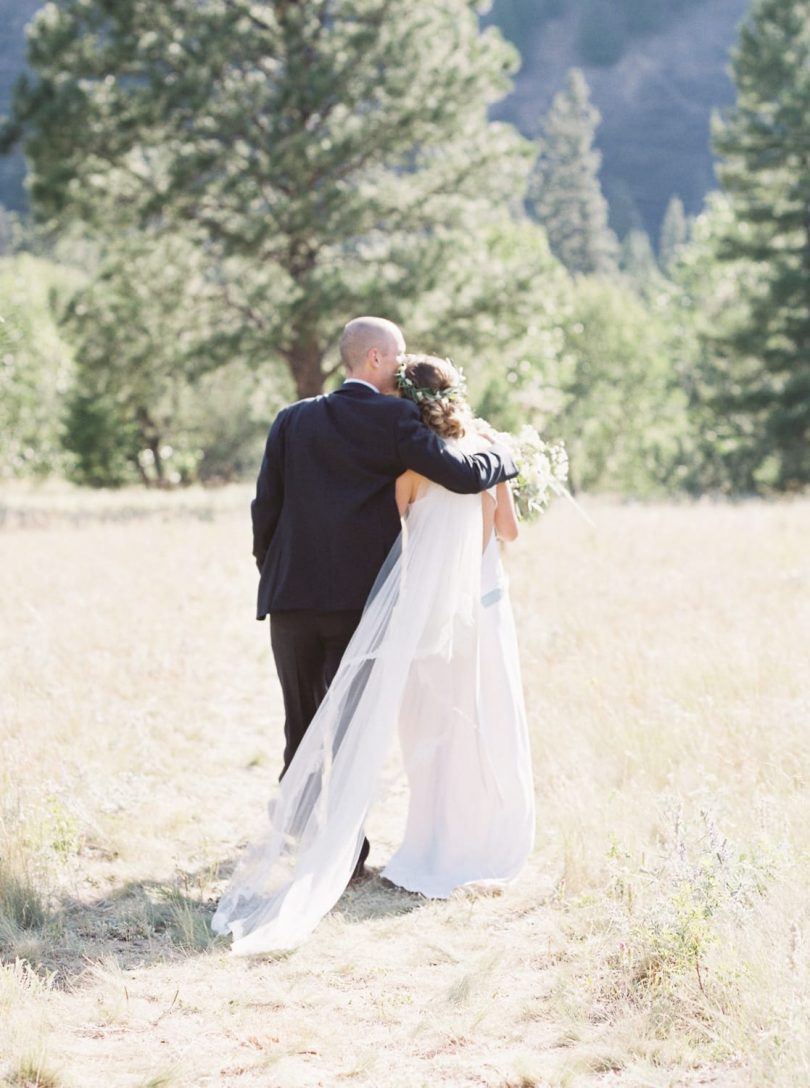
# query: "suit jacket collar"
[[355, 389]]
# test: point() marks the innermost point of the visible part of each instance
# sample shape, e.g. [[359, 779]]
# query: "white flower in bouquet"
[[542, 471]]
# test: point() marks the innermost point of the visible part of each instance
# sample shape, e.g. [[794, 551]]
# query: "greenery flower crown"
[[419, 393]]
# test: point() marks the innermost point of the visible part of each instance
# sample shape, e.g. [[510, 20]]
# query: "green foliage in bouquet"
[[542, 471]]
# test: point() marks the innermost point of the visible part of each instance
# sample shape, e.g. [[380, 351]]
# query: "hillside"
[[657, 68], [656, 97], [14, 14]]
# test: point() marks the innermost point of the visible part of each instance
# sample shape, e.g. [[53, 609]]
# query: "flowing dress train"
[[435, 653]]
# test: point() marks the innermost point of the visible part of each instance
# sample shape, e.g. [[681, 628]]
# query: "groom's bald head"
[[369, 347]]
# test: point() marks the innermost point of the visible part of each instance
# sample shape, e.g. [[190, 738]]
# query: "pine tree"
[[707, 301], [674, 233], [764, 144], [327, 157], [566, 195], [637, 258]]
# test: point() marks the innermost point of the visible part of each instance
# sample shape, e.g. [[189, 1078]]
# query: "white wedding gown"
[[435, 653]]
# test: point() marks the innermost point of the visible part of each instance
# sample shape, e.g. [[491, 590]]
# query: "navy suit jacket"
[[325, 513]]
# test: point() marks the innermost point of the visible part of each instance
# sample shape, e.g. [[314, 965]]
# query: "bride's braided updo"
[[437, 387]]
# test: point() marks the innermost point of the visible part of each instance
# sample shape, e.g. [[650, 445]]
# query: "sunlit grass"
[[33, 1072], [658, 937]]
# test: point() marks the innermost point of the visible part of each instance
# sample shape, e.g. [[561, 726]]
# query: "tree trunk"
[[151, 438], [305, 363]]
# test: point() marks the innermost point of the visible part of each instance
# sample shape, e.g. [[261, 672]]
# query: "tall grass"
[[21, 903], [33, 1071], [659, 935]]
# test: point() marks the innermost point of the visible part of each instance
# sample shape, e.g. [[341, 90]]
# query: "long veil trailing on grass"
[[424, 607]]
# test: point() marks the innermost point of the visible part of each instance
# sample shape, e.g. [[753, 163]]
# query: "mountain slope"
[[14, 14], [655, 100], [656, 103]]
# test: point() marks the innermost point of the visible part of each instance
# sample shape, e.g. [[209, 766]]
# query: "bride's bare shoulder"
[[407, 488]]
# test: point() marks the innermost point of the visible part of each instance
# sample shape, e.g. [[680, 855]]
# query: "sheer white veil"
[[424, 605]]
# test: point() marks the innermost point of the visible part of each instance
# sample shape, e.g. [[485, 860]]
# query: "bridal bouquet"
[[542, 471]]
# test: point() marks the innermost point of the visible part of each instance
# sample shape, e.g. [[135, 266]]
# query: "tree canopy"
[[327, 158]]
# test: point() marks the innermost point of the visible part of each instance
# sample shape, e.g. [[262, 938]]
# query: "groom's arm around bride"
[[325, 513]]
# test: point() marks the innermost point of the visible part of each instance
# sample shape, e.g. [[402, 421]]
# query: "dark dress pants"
[[307, 648]]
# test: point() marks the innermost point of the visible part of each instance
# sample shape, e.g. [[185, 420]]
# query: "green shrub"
[[36, 366], [103, 441]]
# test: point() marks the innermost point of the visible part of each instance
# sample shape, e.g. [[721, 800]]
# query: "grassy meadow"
[[658, 937]]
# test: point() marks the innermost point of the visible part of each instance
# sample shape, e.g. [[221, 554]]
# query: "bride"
[[435, 657]]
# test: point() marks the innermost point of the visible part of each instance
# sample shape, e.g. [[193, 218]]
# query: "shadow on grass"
[[373, 898], [139, 923], [146, 922]]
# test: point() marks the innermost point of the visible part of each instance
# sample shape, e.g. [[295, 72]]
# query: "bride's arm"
[[506, 522]]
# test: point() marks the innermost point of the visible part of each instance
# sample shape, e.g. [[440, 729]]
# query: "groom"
[[325, 515]]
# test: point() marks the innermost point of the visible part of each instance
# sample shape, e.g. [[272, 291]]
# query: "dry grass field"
[[658, 937]]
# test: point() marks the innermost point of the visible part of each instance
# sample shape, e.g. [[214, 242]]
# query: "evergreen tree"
[[674, 233], [637, 258], [327, 158], [566, 195], [706, 299], [764, 144]]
